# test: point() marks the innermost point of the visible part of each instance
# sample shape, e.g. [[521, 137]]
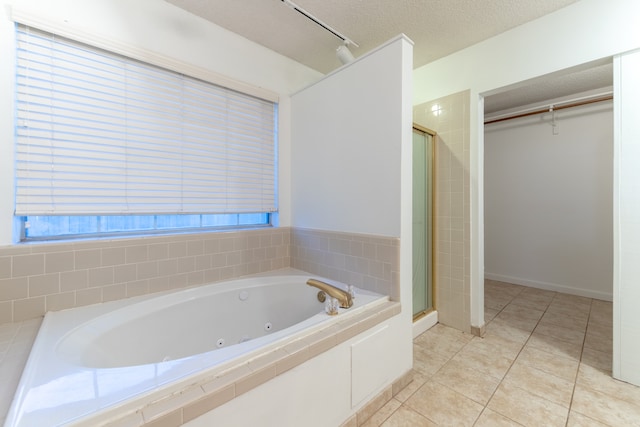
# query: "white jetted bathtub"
[[90, 364]]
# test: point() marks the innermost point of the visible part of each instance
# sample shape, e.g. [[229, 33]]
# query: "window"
[[45, 227], [108, 144]]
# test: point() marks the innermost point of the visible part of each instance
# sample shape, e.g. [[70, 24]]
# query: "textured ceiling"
[[437, 27]]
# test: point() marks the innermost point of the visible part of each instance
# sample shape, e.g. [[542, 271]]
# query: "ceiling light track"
[[345, 39]]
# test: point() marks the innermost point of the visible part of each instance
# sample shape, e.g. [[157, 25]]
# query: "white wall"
[[351, 160], [156, 26], [548, 201], [346, 159], [626, 284], [585, 31]]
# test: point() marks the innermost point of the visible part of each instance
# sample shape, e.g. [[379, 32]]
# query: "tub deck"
[[196, 399], [16, 340], [186, 400]]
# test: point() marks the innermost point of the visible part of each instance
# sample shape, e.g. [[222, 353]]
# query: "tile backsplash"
[[35, 278], [365, 261]]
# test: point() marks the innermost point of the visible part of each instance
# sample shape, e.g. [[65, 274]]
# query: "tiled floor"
[[545, 361]]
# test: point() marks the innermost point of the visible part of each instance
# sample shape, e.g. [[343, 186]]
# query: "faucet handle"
[[331, 306], [352, 291]]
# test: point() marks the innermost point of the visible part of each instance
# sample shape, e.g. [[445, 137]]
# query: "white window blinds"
[[98, 133]]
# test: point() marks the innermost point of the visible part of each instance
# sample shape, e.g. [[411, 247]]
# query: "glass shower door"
[[422, 222]]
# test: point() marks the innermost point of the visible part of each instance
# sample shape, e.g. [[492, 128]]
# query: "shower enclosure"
[[422, 221]]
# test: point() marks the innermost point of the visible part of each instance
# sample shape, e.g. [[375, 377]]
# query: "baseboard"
[[605, 296], [424, 323]]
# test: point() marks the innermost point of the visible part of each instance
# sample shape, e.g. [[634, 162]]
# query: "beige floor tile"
[[555, 346], [601, 306], [503, 288], [528, 377], [598, 328], [517, 320], [576, 419], [507, 331], [382, 414], [605, 408], [573, 300], [447, 333], [490, 418], [540, 383], [599, 336], [569, 308], [495, 344], [444, 406], [497, 301], [474, 384], [405, 417], [417, 381], [523, 312], [526, 408], [603, 382], [534, 298], [601, 319], [601, 312], [568, 322], [598, 342], [601, 360], [443, 340], [489, 314], [560, 366], [427, 361], [481, 358], [527, 290], [564, 334]]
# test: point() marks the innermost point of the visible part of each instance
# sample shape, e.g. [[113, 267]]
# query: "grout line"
[[516, 358], [555, 298], [575, 380]]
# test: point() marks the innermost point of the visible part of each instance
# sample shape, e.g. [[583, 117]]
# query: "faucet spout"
[[343, 297]]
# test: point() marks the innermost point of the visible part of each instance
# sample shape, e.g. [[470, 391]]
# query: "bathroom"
[[320, 228], [300, 213]]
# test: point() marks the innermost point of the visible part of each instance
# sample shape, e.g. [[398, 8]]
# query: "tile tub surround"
[[365, 261], [40, 277]]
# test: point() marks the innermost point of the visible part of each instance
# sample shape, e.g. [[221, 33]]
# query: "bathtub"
[[93, 365]]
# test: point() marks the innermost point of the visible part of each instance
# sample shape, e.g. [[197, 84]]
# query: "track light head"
[[344, 54]]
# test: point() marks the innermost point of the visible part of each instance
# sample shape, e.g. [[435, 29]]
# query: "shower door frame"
[[431, 273]]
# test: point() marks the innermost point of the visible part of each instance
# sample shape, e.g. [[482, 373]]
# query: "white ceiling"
[[437, 27]]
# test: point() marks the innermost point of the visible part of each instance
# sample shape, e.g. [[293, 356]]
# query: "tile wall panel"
[[452, 231], [368, 262], [35, 278]]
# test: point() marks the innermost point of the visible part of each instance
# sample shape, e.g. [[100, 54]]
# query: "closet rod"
[[556, 107]]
